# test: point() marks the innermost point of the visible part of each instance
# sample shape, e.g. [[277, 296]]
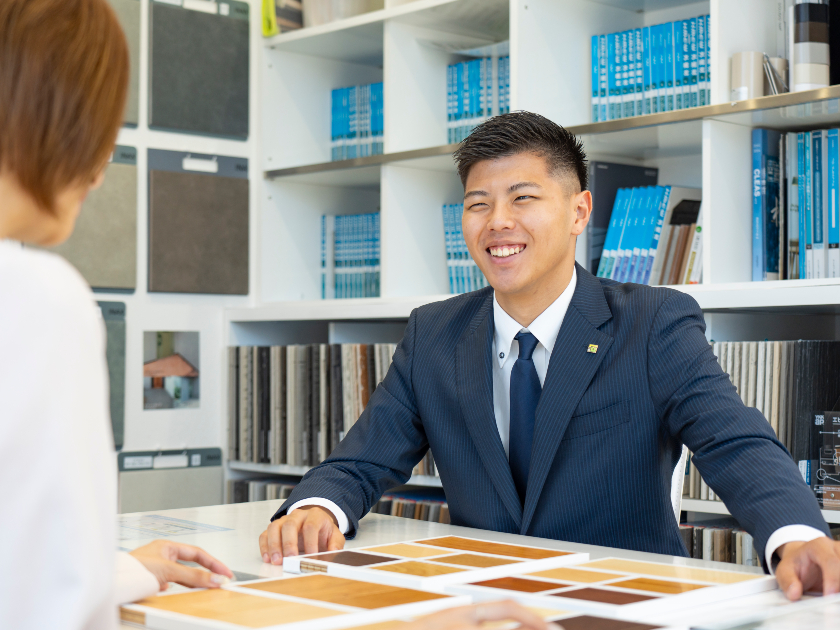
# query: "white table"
[[239, 549]]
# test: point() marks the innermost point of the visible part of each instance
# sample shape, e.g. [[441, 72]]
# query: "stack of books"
[[421, 506], [654, 69], [654, 237], [719, 543], [357, 122], [293, 404], [788, 382], [247, 490], [350, 264], [475, 91], [795, 205], [464, 274]]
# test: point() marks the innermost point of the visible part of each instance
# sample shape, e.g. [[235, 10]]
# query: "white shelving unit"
[[716, 507], [426, 481], [408, 45]]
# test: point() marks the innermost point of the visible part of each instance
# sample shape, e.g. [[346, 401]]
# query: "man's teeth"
[[502, 252]]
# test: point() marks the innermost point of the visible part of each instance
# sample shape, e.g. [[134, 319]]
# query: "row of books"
[[720, 543], [421, 506], [247, 490], [795, 385], [795, 204], [358, 122], [350, 256], [293, 404], [654, 237], [475, 90], [657, 68], [464, 274]]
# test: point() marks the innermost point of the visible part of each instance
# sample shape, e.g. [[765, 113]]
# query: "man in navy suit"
[[556, 403]]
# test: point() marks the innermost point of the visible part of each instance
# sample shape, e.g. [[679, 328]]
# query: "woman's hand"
[[160, 557], [473, 618]]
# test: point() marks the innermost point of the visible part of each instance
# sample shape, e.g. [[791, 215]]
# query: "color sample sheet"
[[198, 223], [128, 13], [154, 526], [114, 315], [199, 67], [103, 246], [625, 589], [435, 562], [301, 602]]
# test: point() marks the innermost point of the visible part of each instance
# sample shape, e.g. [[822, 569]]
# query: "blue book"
[[766, 185], [639, 229], [339, 250], [646, 71], [685, 65], [693, 41], [625, 74], [595, 78], [656, 237], [640, 86], [833, 270], [669, 66], [623, 249], [602, 77], [809, 200], [655, 68], [678, 64], [378, 118], [613, 78], [705, 94], [820, 190], [800, 159], [651, 215], [613, 234]]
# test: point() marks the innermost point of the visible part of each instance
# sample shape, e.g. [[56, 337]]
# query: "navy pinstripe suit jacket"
[[608, 433]]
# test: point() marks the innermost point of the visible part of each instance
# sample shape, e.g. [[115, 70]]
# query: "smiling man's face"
[[520, 222]]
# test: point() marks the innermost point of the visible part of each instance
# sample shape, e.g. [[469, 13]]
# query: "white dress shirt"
[[60, 568], [545, 328]]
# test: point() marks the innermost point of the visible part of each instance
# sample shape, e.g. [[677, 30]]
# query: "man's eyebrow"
[[522, 185], [476, 193]]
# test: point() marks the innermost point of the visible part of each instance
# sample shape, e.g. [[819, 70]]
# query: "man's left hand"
[[809, 566]]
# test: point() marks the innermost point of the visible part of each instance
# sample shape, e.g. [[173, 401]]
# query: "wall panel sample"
[[103, 246], [198, 223], [198, 68], [128, 13], [114, 315]]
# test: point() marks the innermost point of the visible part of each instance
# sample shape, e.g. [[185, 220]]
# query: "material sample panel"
[[198, 224], [198, 69], [128, 13]]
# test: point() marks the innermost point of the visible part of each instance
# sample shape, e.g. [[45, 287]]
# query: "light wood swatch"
[[519, 584], [335, 590], [403, 550], [658, 586], [245, 610], [421, 569], [576, 575], [671, 571], [499, 549], [480, 562], [385, 625]]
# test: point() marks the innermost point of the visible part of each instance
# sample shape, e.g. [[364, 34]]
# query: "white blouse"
[[58, 485]]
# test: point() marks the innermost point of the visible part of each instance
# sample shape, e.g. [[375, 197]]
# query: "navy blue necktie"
[[525, 390]]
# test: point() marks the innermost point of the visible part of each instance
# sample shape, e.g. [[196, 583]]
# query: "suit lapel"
[[570, 371], [475, 393]]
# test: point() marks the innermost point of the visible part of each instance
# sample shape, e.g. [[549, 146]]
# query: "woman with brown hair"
[[63, 81]]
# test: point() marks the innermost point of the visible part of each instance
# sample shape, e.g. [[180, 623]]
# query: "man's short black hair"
[[523, 132]]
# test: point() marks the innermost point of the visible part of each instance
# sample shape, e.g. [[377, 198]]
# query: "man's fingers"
[[264, 546], [788, 580], [310, 533], [289, 531], [336, 540], [196, 554], [824, 555], [275, 541]]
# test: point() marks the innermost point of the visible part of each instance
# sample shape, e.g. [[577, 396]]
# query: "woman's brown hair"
[[63, 80]]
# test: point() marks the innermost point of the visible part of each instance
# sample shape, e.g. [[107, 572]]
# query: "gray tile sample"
[[103, 246], [114, 315], [128, 13], [198, 226], [198, 70]]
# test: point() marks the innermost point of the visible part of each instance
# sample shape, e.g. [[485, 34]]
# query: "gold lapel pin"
[[593, 348]]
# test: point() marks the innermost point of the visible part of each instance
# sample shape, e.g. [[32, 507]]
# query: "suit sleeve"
[[379, 451], [734, 447]]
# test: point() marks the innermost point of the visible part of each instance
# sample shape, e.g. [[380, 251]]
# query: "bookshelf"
[[716, 507], [408, 45]]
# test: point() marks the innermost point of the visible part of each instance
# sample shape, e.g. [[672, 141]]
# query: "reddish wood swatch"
[[335, 590], [480, 562], [499, 549], [520, 584], [604, 596], [588, 622]]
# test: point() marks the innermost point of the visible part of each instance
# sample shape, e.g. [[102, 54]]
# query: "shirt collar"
[[545, 327]]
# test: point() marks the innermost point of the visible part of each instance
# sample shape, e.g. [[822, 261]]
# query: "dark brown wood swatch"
[[520, 584], [604, 596], [498, 549], [335, 590], [351, 558], [588, 622]]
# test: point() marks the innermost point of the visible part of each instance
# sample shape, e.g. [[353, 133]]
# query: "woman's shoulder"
[[37, 285]]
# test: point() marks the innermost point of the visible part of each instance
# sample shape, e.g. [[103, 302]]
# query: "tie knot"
[[527, 345]]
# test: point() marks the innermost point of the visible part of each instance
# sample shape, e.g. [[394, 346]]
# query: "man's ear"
[[582, 207]]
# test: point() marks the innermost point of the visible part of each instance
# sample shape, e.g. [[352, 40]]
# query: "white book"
[[774, 398], [657, 257], [695, 254], [745, 370], [323, 406], [722, 356], [759, 376], [704, 490], [751, 377], [730, 358], [736, 366], [768, 381], [692, 479], [716, 350], [707, 543]]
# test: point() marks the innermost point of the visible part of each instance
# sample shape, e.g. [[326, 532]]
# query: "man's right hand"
[[308, 529]]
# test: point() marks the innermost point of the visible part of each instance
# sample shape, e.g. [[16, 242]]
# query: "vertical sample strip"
[[198, 223], [128, 13], [114, 315], [103, 246], [199, 69]]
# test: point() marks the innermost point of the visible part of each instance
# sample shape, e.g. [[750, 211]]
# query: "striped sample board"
[[316, 602], [810, 46], [623, 589], [435, 562]]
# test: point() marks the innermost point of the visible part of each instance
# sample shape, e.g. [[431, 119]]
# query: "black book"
[[315, 403], [336, 398], [265, 403], [371, 369], [233, 402], [816, 386], [697, 540], [825, 458], [687, 534], [240, 492]]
